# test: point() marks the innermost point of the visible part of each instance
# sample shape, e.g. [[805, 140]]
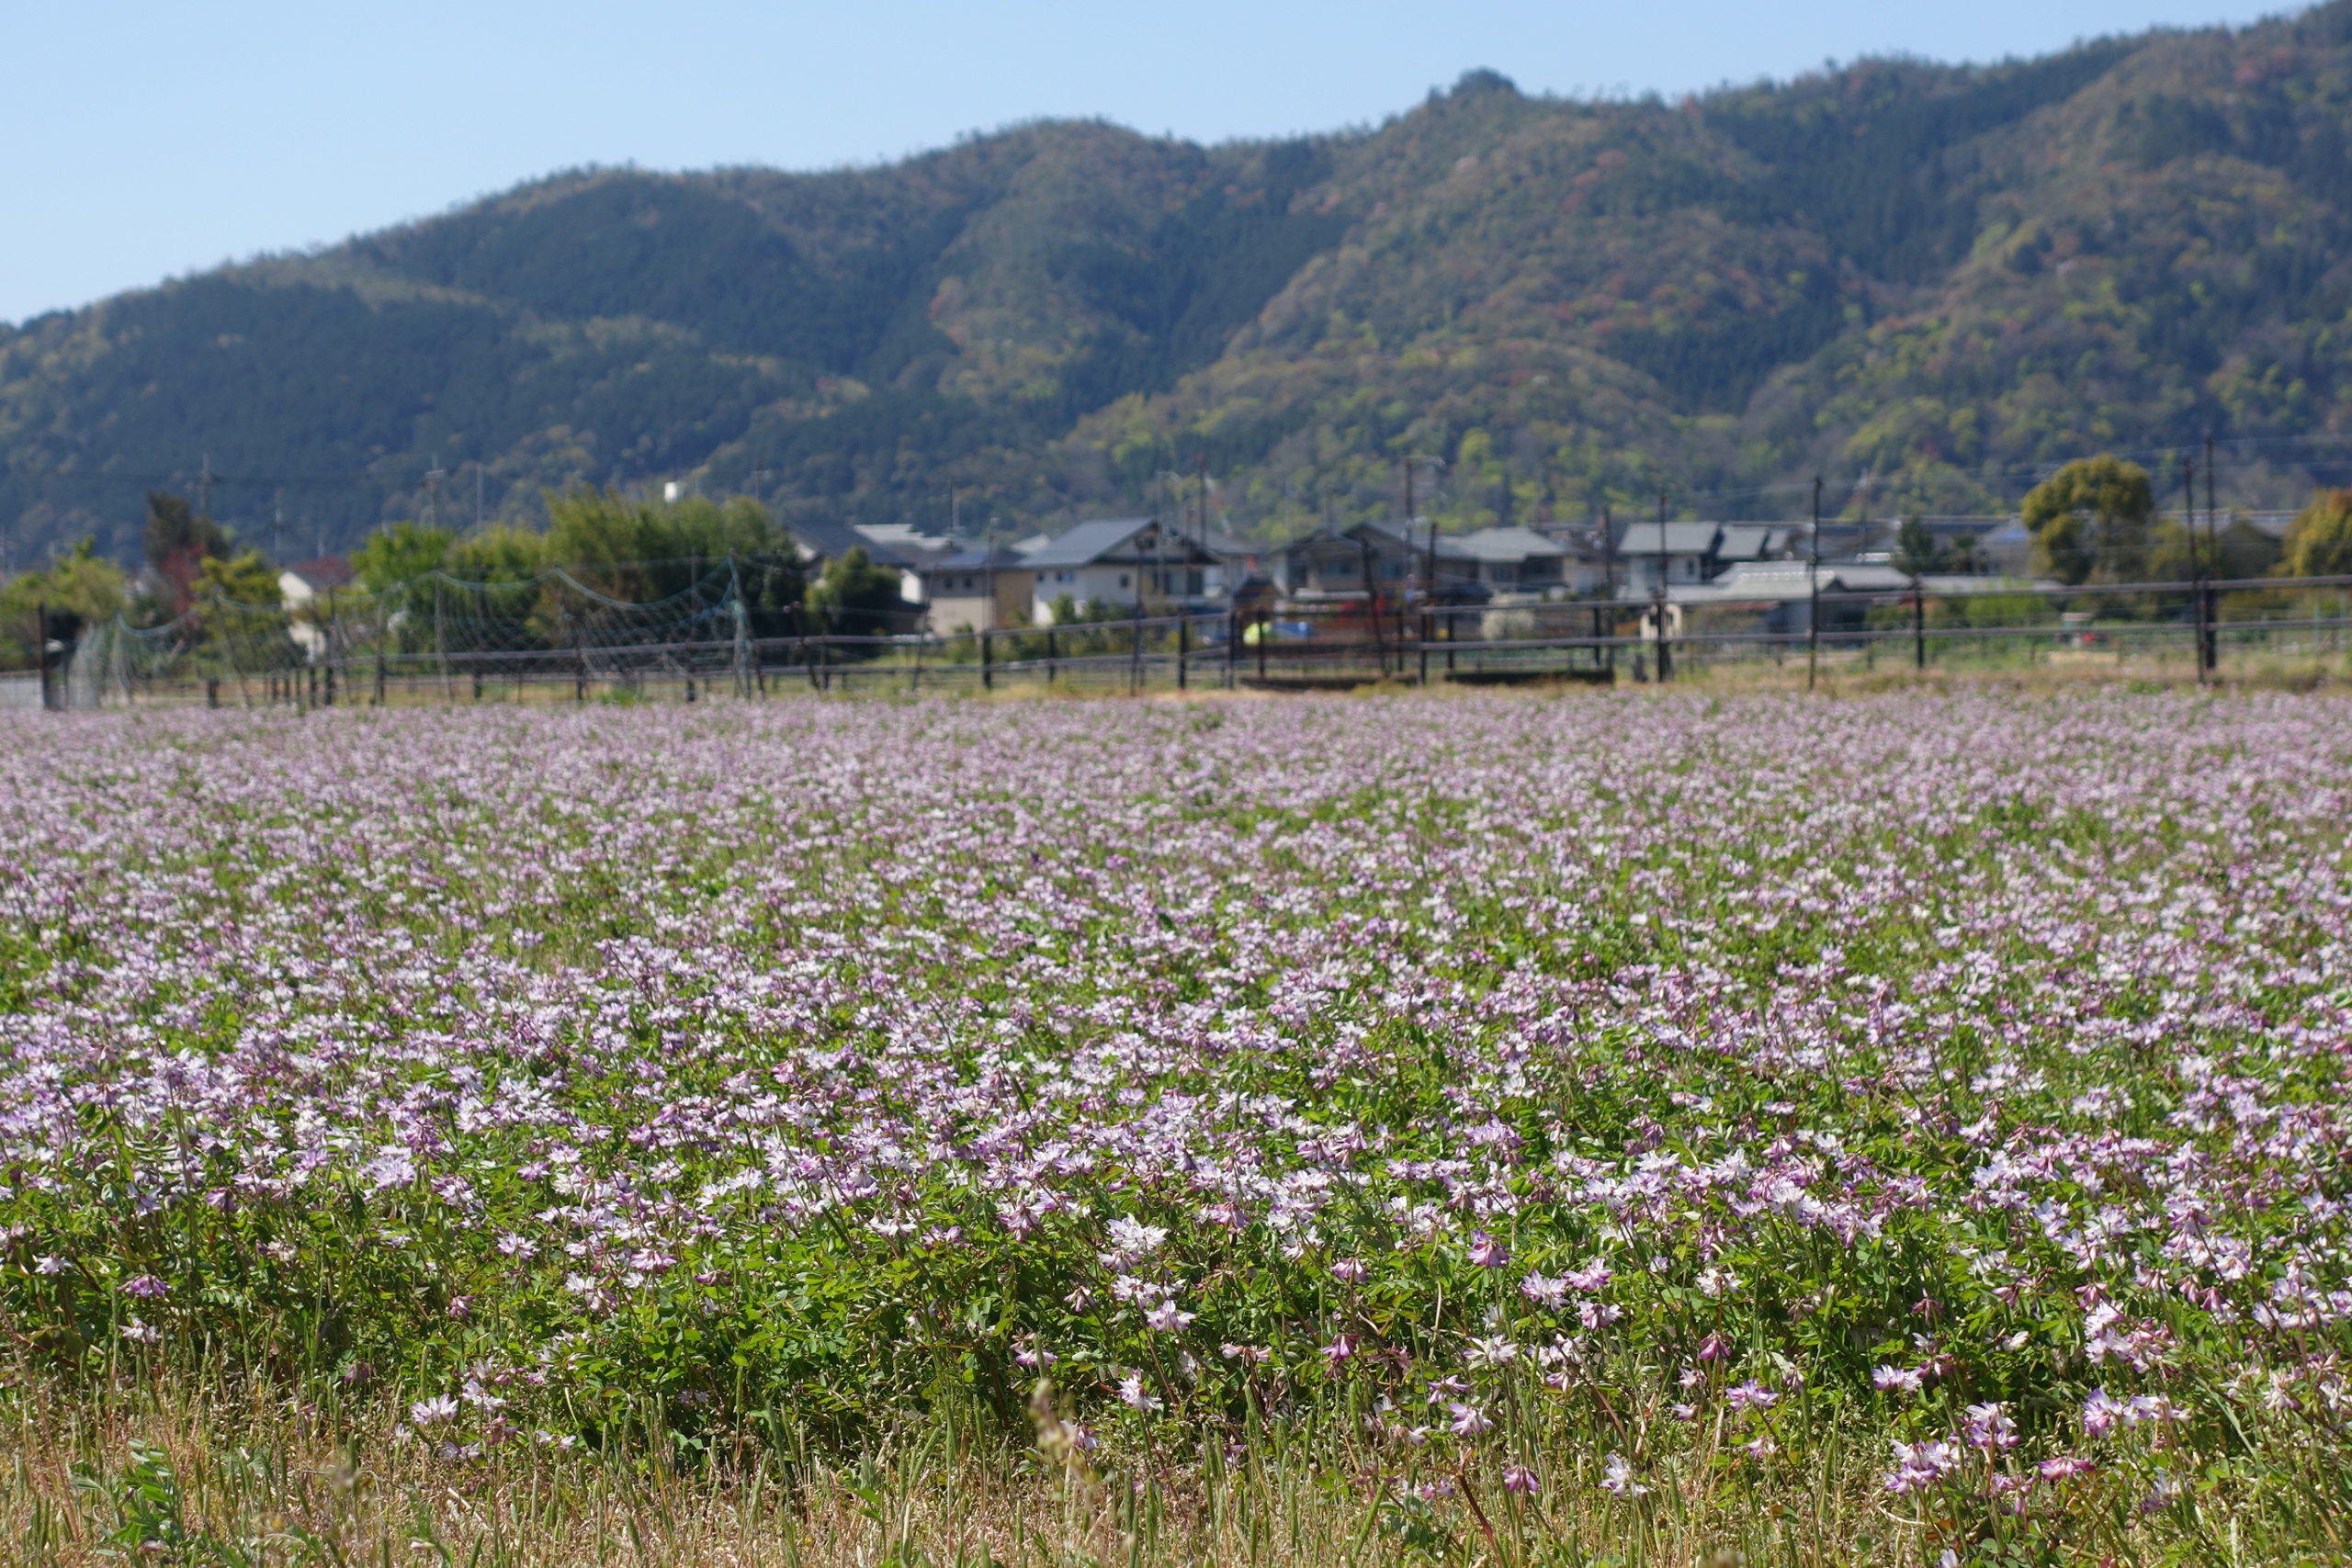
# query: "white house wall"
[[1100, 584]]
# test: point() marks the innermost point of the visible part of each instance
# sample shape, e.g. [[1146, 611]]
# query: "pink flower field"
[[1496, 1104]]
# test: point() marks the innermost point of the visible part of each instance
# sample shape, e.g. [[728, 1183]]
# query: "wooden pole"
[[1813, 595]]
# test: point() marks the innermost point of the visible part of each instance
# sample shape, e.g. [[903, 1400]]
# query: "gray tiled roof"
[[830, 539], [1002, 558], [1090, 542], [1751, 541], [1680, 538], [1501, 545]]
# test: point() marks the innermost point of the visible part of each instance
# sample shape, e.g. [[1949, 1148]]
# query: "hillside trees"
[[1936, 277], [2318, 544]]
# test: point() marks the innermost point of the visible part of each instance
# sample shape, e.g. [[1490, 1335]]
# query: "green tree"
[[400, 552], [855, 597], [2319, 542], [1917, 553], [79, 588], [237, 601], [176, 541], [504, 552], [645, 550], [2179, 553], [2091, 519]]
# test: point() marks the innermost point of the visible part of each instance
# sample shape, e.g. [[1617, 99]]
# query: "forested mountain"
[[1936, 277]]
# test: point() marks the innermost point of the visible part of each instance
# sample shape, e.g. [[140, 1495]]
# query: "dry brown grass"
[[162, 1474]]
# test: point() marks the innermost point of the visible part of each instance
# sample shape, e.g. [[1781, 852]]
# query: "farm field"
[[1631, 1129]]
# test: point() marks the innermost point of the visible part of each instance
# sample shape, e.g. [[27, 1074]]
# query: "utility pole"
[[2212, 651], [204, 489], [432, 479], [1919, 622], [1200, 467], [2196, 561], [1813, 595], [1201, 464], [1609, 591], [1407, 465], [1658, 596], [1371, 601]]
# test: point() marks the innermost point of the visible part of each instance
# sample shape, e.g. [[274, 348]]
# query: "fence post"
[[1265, 621], [1135, 650], [987, 672], [801, 626], [1049, 653], [1920, 625], [1427, 627], [1232, 647], [1183, 648], [40, 649], [379, 677], [440, 645], [742, 632], [1664, 650], [212, 690]]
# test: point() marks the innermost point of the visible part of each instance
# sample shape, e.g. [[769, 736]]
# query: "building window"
[[1122, 579]]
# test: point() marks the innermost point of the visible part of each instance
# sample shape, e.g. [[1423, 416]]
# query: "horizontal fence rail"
[[385, 650]]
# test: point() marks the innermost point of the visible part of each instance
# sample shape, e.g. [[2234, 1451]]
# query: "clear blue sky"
[[144, 139]]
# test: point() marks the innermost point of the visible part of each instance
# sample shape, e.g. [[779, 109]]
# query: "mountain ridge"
[[1943, 277]]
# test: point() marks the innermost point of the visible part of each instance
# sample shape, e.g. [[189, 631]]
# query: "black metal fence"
[[306, 659]]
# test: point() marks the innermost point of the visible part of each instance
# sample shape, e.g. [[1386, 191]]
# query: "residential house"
[[896, 546], [1681, 555], [308, 581], [1126, 562], [1334, 564], [1507, 561], [984, 589], [309, 585], [1492, 563], [1776, 596]]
